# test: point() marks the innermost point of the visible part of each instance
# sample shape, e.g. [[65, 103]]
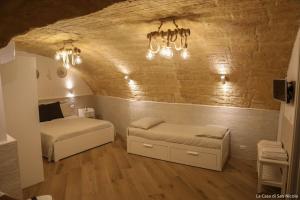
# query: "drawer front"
[[194, 158], [150, 150]]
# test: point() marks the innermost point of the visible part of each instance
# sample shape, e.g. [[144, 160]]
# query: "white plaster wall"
[[287, 119], [50, 86], [292, 75], [3, 129], [280, 122], [7, 54], [21, 111], [248, 126], [288, 111]]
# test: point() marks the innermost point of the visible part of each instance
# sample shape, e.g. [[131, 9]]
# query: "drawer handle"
[[148, 145], [193, 153]]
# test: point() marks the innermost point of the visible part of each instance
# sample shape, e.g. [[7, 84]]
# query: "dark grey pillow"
[[50, 111]]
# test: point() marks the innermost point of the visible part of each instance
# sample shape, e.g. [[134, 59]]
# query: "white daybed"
[[71, 135], [200, 146]]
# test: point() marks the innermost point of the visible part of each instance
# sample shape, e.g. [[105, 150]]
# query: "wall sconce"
[[70, 88], [69, 84], [131, 82], [222, 68], [70, 94], [223, 78]]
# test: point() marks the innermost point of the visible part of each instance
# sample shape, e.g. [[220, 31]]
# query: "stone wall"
[[248, 40]]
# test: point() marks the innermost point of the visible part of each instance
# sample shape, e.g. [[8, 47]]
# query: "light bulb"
[[185, 54], [162, 51], [150, 55], [57, 56], [63, 53], [67, 65], [166, 52], [78, 60], [169, 52], [126, 77]]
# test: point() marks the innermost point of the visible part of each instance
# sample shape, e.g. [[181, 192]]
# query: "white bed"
[[186, 144], [71, 135]]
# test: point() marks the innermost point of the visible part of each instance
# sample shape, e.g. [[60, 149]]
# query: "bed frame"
[[208, 158], [80, 143]]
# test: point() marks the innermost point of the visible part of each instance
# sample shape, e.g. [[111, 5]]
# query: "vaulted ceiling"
[[251, 40]]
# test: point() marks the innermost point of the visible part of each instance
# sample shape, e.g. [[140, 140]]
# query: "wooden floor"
[[109, 173]]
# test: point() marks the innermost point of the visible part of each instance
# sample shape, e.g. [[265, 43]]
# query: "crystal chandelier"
[[69, 56], [163, 42]]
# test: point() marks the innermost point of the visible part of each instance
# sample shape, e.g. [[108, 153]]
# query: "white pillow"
[[66, 109], [146, 122]]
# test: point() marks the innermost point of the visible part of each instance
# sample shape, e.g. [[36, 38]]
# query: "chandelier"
[[163, 42], [69, 56]]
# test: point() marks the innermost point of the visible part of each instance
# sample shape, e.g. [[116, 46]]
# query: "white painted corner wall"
[[288, 111], [292, 75], [3, 129], [7, 54], [21, 111], [247, 126], [50, 86], [287, 123], [22, 92]]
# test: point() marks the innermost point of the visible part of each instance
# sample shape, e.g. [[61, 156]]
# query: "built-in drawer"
[[194, 158], [149, 149]]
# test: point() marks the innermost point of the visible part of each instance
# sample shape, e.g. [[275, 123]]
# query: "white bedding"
[[64, 128], [183, 134]]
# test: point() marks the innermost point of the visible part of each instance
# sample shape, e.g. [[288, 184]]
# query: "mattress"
[[65, 128], [176, 133]]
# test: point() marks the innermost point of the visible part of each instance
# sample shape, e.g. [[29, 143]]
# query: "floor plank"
[[108, 172]]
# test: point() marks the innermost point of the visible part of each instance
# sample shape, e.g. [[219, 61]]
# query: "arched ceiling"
[[254, 39]]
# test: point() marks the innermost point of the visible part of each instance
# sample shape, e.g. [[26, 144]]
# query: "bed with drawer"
[[63, 134], [200, 146]]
